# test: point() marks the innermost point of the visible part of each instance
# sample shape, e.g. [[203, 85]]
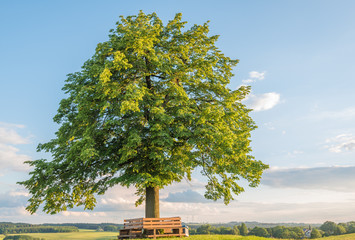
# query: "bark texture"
[[152, 202]]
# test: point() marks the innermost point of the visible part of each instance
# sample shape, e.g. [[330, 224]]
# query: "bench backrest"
[[150, 223]]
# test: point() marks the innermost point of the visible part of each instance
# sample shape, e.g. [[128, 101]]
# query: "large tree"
[[148, 108]]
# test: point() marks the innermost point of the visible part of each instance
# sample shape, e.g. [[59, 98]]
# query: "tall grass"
[[93, 235], [340, 237], [81, 235]]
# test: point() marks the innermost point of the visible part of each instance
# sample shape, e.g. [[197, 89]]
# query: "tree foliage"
[[315, 233], [329, 228], [340, 230], [21, 237], [236, 230], [149, 107], [260, 232], [243, 230]]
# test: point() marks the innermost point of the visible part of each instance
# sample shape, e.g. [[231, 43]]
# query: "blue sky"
[[298, 56]]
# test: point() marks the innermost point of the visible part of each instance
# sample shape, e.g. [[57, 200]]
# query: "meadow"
[[81, 235], [93, 235]]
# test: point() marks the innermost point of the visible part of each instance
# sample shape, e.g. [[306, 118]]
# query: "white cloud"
[[254, 76], [340, 143], [257, 75], [18, 193], [11, 125], [262, 102], [75, 214], [10, 158], [247, 81], [121, 198], [8, 134], [118, 204], [22, 211]]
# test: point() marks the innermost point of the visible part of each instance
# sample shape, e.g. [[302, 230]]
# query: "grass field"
[[341, 237], [93, 235], [81, 235]]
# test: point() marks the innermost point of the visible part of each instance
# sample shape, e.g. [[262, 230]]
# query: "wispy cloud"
[[343, 114], [260, 102], [80, 214], [254, 76], [10, 156], [340, 143], [327, 178], [263, 102], [11, 159], [8, 134], [294, 153]]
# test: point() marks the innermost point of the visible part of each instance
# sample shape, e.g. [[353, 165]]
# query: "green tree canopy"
[[243, 230], [328, 227], [236, 230], [149, 107], [351, 227], [340, 230], [315, 233], [260, 232]]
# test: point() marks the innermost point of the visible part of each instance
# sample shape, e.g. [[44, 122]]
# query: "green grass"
[[81, 235], [219, 237], [341, 237], [93, 235]]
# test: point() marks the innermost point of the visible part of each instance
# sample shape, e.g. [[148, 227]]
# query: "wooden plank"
[[176, 222], [133, 224], [134, 227], [162, 223], [162, 227], [159, 219], [158, 225], [166, 235], [133, 219]]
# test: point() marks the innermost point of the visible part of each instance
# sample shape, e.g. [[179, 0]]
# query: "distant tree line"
[[331, 228], [326, 229], [15, 228], [208, 229], [21, 237], [107, 227]]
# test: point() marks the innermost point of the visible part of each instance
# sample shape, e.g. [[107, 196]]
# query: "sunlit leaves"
[[148, 108]]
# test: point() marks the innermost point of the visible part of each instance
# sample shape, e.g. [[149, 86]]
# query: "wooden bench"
[[152, 228]]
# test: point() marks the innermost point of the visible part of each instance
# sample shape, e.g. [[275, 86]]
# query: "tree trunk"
[[152, 202]]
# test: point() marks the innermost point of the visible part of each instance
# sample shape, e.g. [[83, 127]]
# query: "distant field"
[[341, 237], [230, 237], [93, 235], [81, 235], [220, 237]]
